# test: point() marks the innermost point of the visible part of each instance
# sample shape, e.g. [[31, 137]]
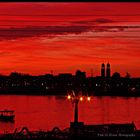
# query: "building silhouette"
[[102, 70], [108, 70]]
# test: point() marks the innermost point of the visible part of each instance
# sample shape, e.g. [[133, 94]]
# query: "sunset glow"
[[38, 38]]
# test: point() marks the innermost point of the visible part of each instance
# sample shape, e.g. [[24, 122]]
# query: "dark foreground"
[[77, 131]]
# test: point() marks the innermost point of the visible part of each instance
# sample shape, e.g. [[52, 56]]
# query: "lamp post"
[[75, 100], [76, 126], [76, 111]]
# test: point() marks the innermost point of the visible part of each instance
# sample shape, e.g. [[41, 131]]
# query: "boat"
[[7, 115]]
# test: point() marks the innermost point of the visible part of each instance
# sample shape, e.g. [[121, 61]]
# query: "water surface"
[[45, 112]]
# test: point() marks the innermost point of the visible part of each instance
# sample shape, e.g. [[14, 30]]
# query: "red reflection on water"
[[45, 112]]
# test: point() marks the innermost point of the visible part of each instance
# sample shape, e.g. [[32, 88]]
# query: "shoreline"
[[64, 95]]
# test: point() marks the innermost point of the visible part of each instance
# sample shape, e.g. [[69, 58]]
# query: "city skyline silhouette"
[[105, 71]]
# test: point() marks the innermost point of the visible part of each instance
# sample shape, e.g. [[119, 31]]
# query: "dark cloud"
[[94, 21], [114, 28], [14, 33], [52, 31], [103, 20]]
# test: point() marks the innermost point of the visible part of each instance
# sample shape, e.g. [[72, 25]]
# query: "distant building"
[[103, 70], [81, 75], [108, 70]]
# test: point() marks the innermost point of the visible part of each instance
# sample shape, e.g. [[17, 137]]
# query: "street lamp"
[[76, 127], [75, 100]]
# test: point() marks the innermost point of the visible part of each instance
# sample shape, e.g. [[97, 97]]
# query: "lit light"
[[81, 98], [69, 97], [88, 98], [133, 89]]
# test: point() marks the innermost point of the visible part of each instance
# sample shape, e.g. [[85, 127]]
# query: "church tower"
[[108, 70], [103, 70]]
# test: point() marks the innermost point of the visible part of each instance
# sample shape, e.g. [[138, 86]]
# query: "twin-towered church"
[[105, 72]]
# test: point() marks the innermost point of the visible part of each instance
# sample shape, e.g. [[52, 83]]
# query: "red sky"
[[36, 38]]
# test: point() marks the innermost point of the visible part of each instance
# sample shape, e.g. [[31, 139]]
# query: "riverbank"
[[60, 92]]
